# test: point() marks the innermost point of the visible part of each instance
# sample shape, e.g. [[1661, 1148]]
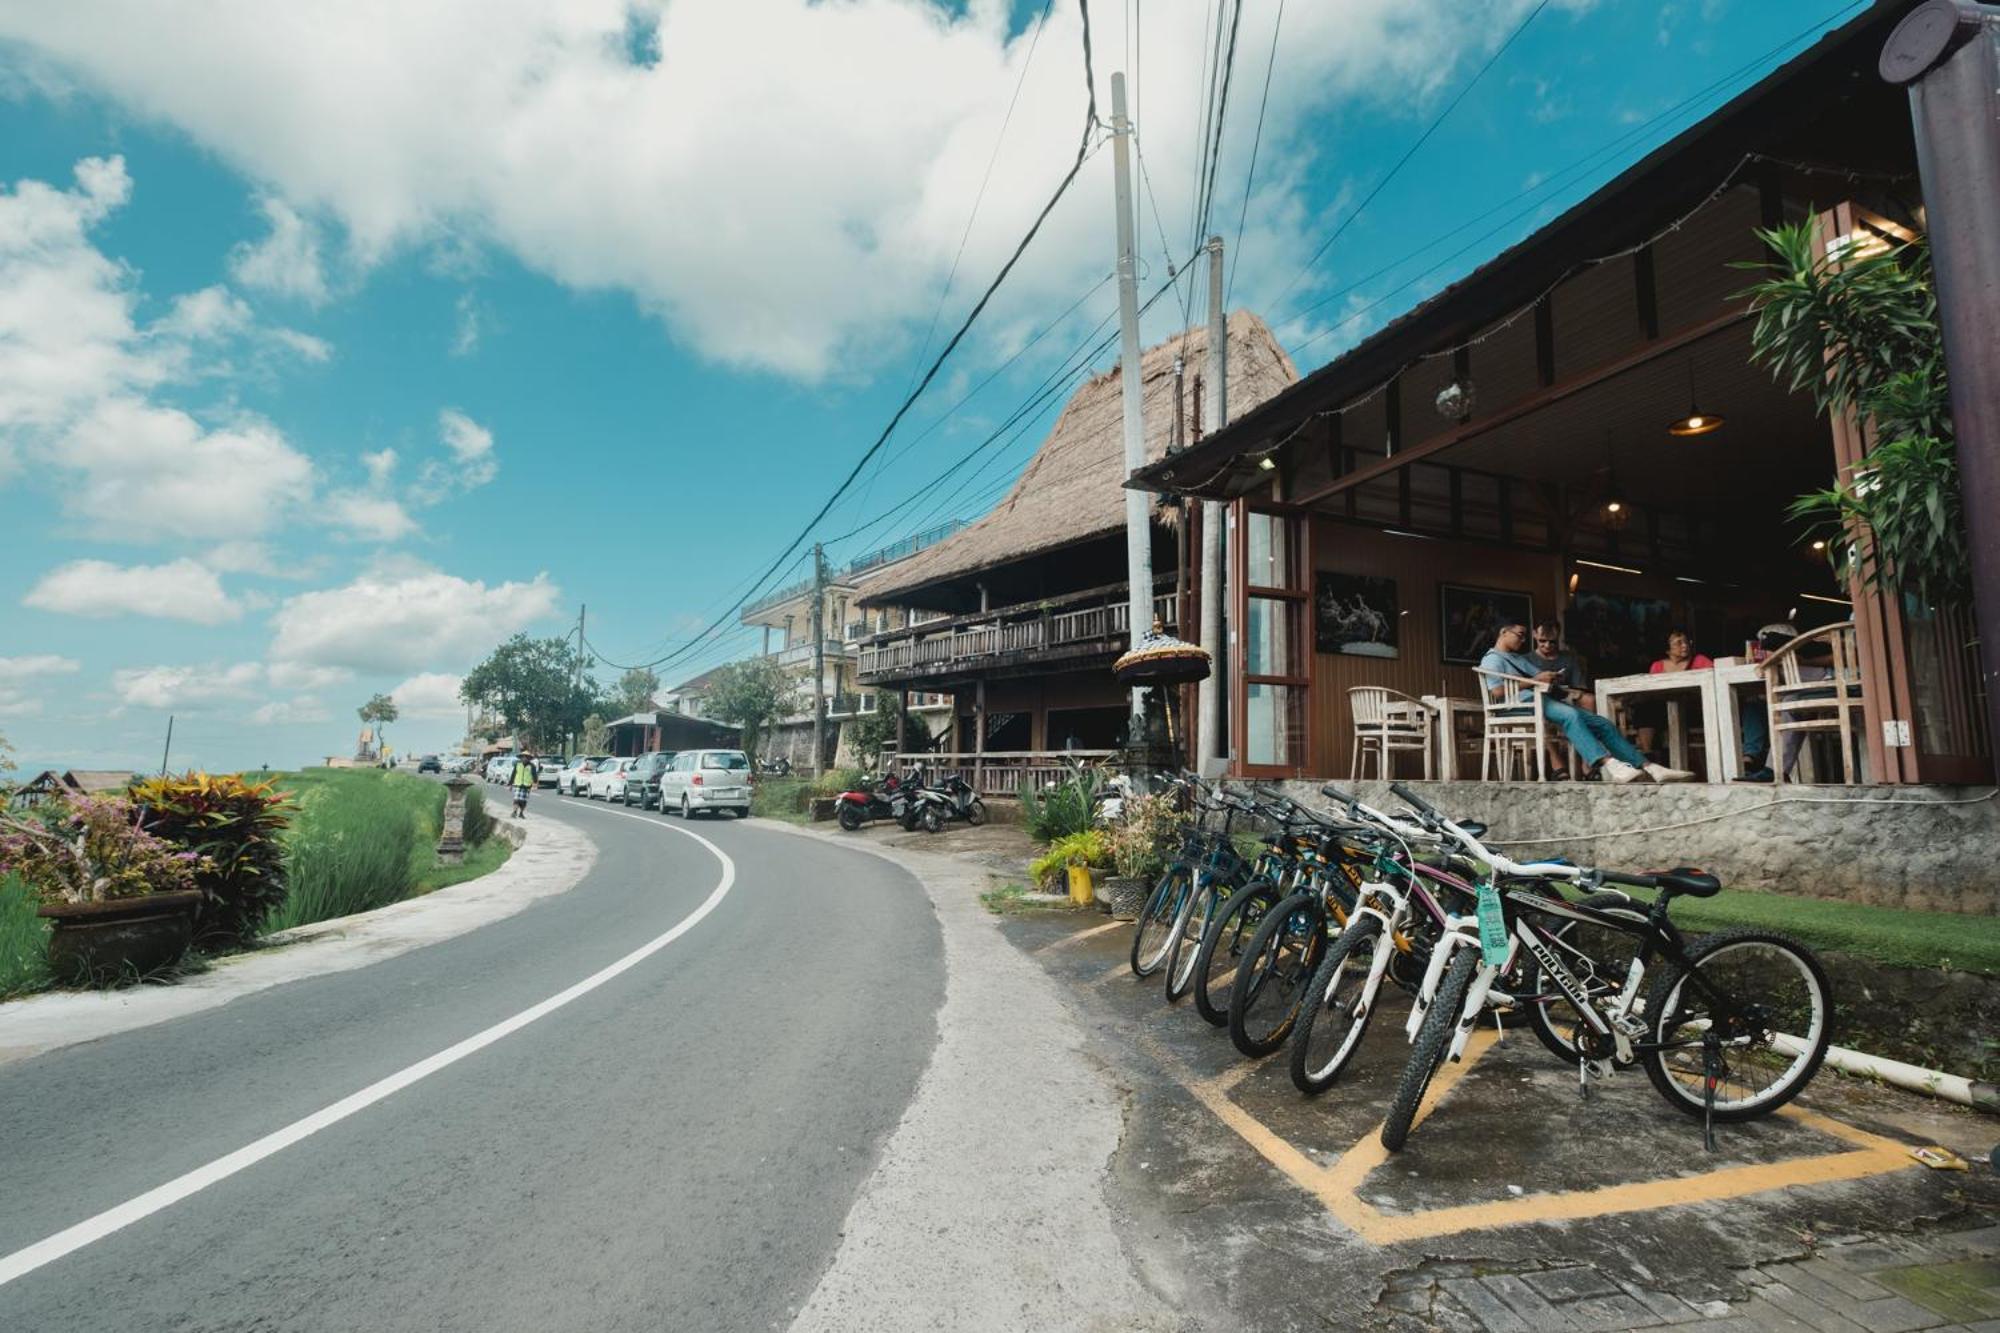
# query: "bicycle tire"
[[1224, 939], [1149, 937], [1315, 1066], [1546, 1017], [1184, 952], [1264, 1031], [1427, 1052], [1665, 1002]]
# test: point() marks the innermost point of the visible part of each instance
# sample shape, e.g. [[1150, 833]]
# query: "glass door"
[[1269, 706]]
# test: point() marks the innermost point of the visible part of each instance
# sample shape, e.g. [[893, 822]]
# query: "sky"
[[340, 341]]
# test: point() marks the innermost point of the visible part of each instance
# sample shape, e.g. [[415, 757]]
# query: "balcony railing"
[[801, 654], [1001, 772], [1076, 625]]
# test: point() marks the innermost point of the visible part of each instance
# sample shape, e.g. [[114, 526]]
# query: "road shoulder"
[[553, 859], [989, 1208]]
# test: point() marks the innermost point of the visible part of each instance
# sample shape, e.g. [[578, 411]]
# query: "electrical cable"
[[1256, 142], [1411, 151], [1069, 178]]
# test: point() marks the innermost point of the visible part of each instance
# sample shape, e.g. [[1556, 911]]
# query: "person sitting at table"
[[1681, 656], [1550, 655], [1598, 743]]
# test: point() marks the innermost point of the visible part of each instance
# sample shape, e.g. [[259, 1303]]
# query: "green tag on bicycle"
[[1492, 927]]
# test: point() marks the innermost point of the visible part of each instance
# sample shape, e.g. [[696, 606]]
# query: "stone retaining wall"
[[1936, 848]]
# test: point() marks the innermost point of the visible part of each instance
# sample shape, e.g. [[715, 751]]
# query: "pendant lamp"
[[1696, 422]]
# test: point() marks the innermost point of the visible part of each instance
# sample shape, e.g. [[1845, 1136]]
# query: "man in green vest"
[[522, 779]]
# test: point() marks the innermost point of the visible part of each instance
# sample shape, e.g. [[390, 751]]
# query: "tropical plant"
[[534, 688], [1147, 829], [1088, 848], [24, 939], [380, 710], [358, 842], [634, 691], [91, 849], [237, 829], [1859, 332], [875, 734], [1065, 806], [751, 694]]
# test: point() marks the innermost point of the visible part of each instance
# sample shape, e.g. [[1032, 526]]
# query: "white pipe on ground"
[[1913, 1078]]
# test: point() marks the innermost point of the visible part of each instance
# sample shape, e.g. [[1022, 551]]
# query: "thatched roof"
[[1073, 488]]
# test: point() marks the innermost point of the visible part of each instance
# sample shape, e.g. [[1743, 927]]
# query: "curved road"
[[676, 1148]]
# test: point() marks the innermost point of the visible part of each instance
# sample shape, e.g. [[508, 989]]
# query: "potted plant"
[[1070, 859], [1139, 846], [121, 901]]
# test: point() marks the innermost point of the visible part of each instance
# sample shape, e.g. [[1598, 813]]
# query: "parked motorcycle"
[[962, 801], [886, 799]]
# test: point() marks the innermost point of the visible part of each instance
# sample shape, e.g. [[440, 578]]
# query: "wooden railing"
[[1001, 772], [1080, 621]]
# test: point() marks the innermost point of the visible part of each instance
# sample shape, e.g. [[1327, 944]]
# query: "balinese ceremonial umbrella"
[[1161, 659]]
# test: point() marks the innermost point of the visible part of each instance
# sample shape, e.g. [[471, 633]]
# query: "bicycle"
[[1732, 1027], [1164, 915], [1289, 858]]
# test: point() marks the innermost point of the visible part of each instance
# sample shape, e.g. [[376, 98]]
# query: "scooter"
[[962, 801], [886, 799]]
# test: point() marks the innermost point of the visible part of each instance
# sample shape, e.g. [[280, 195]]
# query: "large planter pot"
[[1123, 898], [128, 937], [1081, 892]]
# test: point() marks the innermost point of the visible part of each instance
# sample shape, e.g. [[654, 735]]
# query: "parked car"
[[430, 763], [574, 780], [707, 780], [642, 782], [607, 781], [547, 769], [498, 767]]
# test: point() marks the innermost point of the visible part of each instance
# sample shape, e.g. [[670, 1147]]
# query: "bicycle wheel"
[[1598, 956], [1767, 999], [1272, 978], [1154, 934], [1427, 1053], [1222, 948], [1184, 949], [1336, 1009]]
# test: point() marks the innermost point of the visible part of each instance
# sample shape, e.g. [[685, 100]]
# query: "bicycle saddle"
[[1474, 827], [1681, 879]]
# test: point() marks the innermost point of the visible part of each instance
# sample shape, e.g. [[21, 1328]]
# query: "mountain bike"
[[1164, 917], [1287, 947], [1728, 1027]]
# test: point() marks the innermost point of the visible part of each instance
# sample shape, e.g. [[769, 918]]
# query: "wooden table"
[[1673, 684], [1729, 714], [1447, 711]]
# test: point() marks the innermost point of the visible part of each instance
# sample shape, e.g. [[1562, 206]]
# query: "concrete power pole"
[[1138, 524], [819, 659], [576, 680], [1215, 416]]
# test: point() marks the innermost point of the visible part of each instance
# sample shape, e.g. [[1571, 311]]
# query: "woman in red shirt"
[[1681, 656]]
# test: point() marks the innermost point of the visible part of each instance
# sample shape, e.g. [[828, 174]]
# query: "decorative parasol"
[[1161, 659]]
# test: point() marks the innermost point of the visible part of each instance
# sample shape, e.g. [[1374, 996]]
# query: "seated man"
[[1565, 684], [1598, 744]]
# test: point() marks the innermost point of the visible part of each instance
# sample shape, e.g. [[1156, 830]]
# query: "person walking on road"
[[523, 782]]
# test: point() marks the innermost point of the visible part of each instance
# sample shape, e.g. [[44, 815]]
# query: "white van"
[[702, 780]]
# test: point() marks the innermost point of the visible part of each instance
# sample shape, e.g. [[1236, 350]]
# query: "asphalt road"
[[675, 1149]]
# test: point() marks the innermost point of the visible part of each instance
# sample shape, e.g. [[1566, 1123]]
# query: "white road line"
[[25, 1261]]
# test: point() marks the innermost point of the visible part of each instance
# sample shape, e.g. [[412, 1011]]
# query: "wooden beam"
[[1545, 342], [1665, 346]]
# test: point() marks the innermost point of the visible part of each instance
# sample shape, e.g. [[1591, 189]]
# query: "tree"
[[751, 694], [875, 734], [596, 737], [634, 692], [531, 685], [1860, 333], [379, 710]]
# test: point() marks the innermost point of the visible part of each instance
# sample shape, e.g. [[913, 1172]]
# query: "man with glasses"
[[1599, 745], [1549, 655]]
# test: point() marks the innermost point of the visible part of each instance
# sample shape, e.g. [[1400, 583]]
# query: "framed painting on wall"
[[1469, 618], [1355, 614]]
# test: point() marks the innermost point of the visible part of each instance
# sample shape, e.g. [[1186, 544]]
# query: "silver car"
[[701, 781]]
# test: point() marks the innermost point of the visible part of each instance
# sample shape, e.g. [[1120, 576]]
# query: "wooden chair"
[[1806, 698], [1385, 722], [1514, 724]]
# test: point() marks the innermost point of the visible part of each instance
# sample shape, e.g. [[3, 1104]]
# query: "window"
[[729, 759], [1274, 733], [1269, 649]]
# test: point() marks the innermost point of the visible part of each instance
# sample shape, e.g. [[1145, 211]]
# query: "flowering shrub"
[[91, 849], [1148, 828], [236, 828]]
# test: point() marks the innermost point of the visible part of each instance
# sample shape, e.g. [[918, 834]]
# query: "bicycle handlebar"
[[1414, 801]]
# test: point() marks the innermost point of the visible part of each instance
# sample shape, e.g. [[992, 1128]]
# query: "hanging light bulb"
[[1616, 510], [1696, 422]]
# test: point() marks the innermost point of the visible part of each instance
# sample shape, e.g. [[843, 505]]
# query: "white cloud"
[[303, 345], [212, 312], [471, 324], [141, 472], [472, 462], [286, 262], [298, 676], [16, 669], [187, 687], [429, 694], [381, 466], [793, 211], [405, 621], [279, 712], [181, 590], [376, 518]]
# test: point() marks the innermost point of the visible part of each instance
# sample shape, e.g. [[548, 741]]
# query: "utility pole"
[[819, 659], [170, 745], [1138, 524], [576, 679], [1216, 415]]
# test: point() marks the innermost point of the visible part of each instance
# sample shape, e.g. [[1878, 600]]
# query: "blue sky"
[[625, 289]]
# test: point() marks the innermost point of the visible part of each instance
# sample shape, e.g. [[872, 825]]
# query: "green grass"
[[481, 859], [24, 939], [1892, 935], [781, 798]]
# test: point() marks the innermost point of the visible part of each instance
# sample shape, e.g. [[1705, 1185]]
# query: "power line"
[[1221, 119], [1411, 151], [909, 401], [1256, 142]]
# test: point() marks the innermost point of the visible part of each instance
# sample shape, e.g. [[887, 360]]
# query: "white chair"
[[1514, 725], [1385, 722], [1817, 697]]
